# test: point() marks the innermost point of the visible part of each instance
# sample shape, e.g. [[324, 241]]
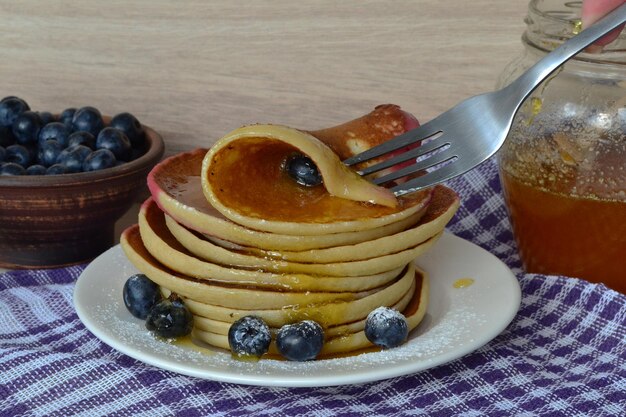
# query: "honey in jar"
[[563, 165]]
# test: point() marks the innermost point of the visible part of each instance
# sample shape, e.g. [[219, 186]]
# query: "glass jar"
[[563, 165]]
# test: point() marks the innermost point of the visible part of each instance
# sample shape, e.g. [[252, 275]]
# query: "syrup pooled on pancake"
[[234, 235]]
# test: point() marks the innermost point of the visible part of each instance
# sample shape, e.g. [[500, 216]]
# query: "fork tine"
[[416, 167], [405, 156], [428, 180], [412, 136]]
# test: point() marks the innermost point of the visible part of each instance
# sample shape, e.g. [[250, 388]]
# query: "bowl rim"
[[155, 151]]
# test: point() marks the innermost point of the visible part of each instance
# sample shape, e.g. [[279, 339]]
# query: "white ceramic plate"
[[458, 321]]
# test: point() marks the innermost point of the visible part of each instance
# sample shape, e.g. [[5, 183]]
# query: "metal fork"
[[472, 131]]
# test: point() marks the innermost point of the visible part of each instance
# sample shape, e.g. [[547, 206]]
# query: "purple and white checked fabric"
[[563, 355]]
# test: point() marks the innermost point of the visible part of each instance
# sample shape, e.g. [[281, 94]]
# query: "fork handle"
[[531, 78]]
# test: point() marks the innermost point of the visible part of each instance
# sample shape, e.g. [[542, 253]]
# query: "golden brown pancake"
[[328, 314], [167, 250], [244, 178], [243, 295], [343, 339], [443, 206], [176, 188], [163, 246]]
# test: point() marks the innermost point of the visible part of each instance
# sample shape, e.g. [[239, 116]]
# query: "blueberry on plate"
[[36, 170], [88, 119], [6, 136], [140, 295], [56, 169], [26, 128], [116, 141], [48, 152], [55, 130], [100, 159], [11, 168], [10, 108], [170, 318], [249, 337], [82, 138], [66, 116], [73, 157], [300, 341], [386, 327], [130, 126], [303, 170], [18, 154]]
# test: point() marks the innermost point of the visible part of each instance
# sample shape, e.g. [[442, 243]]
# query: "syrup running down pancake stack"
[[229, 231]]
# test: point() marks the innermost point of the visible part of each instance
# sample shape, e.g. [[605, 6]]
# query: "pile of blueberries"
[[78, 140], [250, 336]]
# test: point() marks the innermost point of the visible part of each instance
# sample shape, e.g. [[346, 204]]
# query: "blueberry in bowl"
[[63, 210]]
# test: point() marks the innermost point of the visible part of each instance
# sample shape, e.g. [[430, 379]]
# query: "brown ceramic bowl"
[[56, 220]]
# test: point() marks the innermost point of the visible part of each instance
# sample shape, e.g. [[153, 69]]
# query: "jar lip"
[[550, 22], [557, 15]]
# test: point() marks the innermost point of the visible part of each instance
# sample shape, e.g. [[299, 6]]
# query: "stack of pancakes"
[[229, 231]]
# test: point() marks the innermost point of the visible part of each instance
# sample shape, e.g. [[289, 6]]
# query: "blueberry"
[[170, 318], [36, 170], [26, 128], [303, 170], [73, 157], [45, 117], [18, 154], [88, 119], [249, 336], [2, 153], [66, 116], [6, 136], [100, 159], [130, 126], [116, 141], [55, 130], [56, 169], [140, 295], [82, 138], [10, 108], [386, 327], [300, 341], [11, 168], [48, 152]]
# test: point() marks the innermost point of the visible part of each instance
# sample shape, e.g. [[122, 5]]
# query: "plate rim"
[[299, 380]]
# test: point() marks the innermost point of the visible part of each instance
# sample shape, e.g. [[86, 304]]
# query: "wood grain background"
[[194, 70]]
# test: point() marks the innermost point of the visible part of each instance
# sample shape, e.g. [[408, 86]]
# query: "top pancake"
[[175, 187], [257, 194], [244, 178]]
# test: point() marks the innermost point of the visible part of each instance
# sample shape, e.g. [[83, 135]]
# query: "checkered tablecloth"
[[563, 355]]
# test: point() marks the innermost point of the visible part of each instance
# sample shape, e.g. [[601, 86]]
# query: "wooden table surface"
[[195, 70]]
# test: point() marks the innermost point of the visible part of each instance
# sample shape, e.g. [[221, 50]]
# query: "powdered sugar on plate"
[[458, 321]]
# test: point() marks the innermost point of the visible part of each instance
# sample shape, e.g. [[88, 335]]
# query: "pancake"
[[164, 246], [386, 121], [175, 186], [245, 295], [439, 212], [347, 327], [328, 314], [166, 249], [244, 178], [353, 339]]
